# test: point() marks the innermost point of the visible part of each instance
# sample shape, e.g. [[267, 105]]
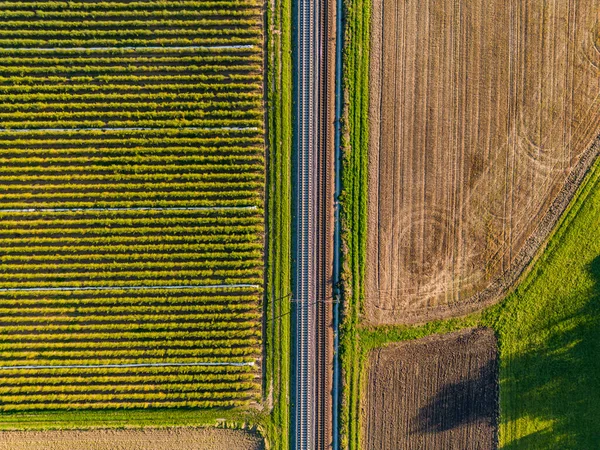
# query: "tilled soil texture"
[[482, 115], [132, 439], [433, 393]]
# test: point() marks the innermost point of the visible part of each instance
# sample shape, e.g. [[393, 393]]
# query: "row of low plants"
[[96, 98], [101, 123], [133, 113], [43, 404], [163, 42], [129, 24], [166, 332], [234, 58], [216, 85], [203, 149], [128, 33], [215, 11], [248, 53]]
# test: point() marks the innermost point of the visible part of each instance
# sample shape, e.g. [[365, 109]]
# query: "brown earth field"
[[436, 392], [484, 118], [132, 439]]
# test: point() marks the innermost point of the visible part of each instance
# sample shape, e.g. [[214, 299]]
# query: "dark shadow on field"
[[561, 384], [461, 404]]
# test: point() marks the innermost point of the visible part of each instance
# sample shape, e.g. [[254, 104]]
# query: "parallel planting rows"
[[131, 204]]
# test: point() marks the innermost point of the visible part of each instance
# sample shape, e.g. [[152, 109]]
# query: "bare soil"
[[482, 120], [433, 393], [132, 439]]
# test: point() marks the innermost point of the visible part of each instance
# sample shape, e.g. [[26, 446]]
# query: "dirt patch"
[[436, 392], [133, 439], [482, 119]]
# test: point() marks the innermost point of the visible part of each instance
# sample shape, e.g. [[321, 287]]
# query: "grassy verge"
[[353, 200], [549, 338], [279, 104]]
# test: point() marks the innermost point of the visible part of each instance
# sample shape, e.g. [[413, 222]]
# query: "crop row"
[[217, 302], [102, 334], [129, 396], [133, 114], [13, 226], [37, 199], [129, 231], [133, 179], [132, 24], [146, 345], [251, 53], [143, 308], [214, 267], [128, 379], [123, 244], [212, 125], [98, 99], [111, 405], [130, 213], [133, 106], [232, 13], [123, 334], [232, 56], [147, 5], [106, 356], [212, 86], [128, 33], [142, 128]]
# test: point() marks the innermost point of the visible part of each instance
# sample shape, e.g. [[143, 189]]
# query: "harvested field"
[[142, 439], [436, 392], [482, 119]]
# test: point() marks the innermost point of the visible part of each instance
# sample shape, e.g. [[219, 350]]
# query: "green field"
[[131, 204]]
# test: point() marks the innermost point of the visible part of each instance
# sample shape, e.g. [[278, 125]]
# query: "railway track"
[[315, 91]]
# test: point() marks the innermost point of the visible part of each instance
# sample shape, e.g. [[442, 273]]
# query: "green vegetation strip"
[[278, 291], [353, 200]]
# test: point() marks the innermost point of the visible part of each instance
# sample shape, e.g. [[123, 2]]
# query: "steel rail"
[[304, 417], [312, 329]]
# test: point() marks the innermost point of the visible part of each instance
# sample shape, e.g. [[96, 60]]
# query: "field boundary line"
[[115, 366], [129, 288], [138, 208]]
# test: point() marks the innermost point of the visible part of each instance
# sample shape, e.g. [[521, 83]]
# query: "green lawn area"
[[549, 334], [549, 338]]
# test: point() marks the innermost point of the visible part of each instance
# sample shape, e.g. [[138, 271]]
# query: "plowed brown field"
[[482, 117], [143, 439], [433, 393]]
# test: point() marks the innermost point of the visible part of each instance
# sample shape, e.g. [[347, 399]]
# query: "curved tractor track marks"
[[482, 120]]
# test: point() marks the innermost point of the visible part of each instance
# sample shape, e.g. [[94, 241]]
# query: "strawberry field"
[[131, 204]]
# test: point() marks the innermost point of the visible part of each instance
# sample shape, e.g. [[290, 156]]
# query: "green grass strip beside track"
[[278, 305]]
